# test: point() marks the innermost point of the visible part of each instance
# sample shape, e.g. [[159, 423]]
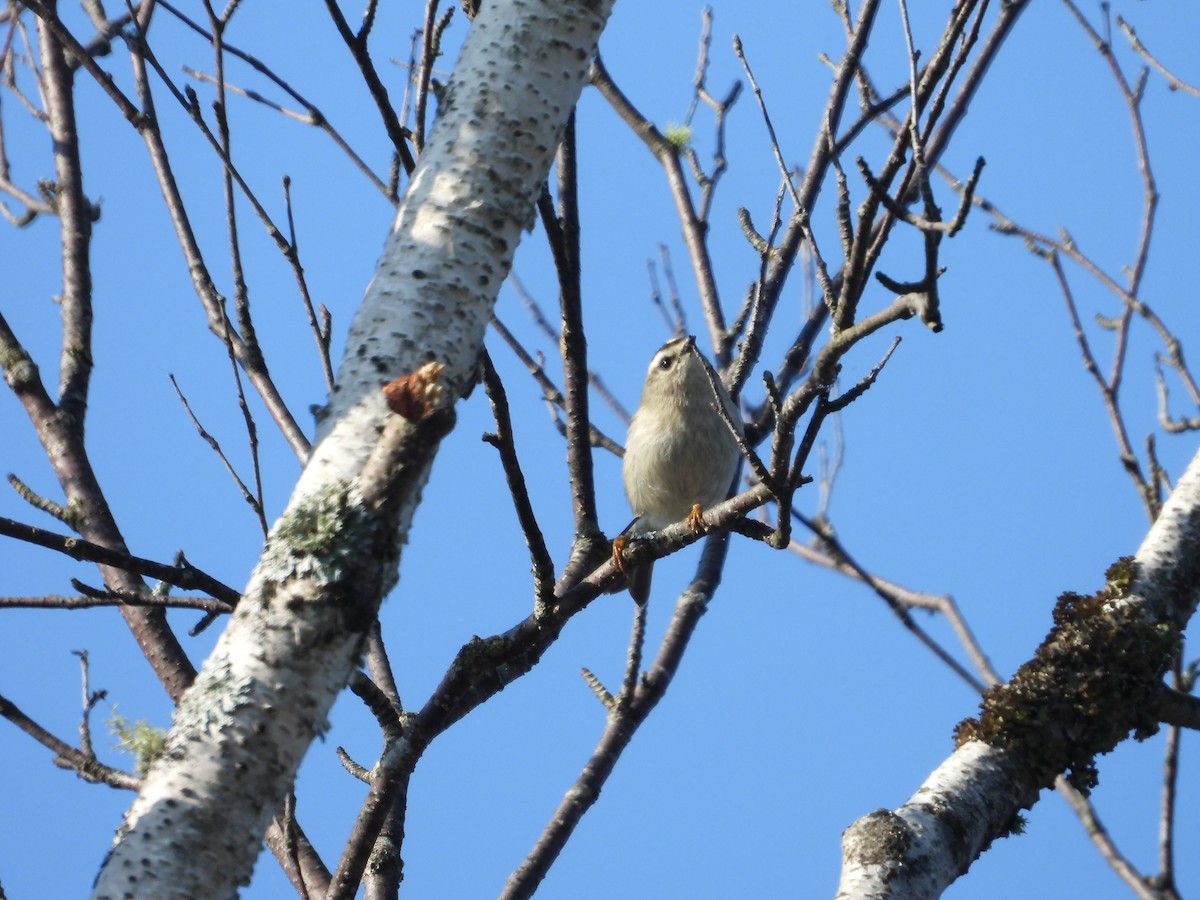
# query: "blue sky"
[[981, 464]]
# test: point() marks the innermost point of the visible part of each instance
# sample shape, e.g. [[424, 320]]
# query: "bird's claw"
[[618, 549]]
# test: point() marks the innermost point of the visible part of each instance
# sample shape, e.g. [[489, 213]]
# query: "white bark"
[[241, 730], [974, 796], [1168, 580], [466, 206], [918, 850]]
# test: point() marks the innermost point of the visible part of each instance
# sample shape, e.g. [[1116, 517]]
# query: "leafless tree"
[[475, 161]]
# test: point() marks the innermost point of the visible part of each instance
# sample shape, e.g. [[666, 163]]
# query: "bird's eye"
[[665, 362]]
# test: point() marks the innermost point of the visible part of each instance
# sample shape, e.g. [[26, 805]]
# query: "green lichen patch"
[[1090, 683], [679, 135], [141, 739], [322, 537]]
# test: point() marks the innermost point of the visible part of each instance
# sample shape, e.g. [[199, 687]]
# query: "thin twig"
[[1173, 82], [184, 576], [1100, 837], [502, 440], [550, 392], [896, 602], [65, 756], [357, 44], [321, 329], [212, 442], [631, 708], [695, 229]]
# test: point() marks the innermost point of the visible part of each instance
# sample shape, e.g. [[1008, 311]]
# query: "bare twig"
[[312, 114], [502, 440], [357, 44], [322, 329], [184, 575], [897, 602], [773, 138], [550, 392], [1103, 841], [694, 228], [93, 599], [825, 554], [255, 502], [630, 709], [431, 40], [1173, 82], [83, 763]]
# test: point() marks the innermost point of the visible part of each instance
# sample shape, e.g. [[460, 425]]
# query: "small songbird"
[[680, 455]]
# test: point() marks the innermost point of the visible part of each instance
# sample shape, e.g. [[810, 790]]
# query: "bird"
[[680, 456]]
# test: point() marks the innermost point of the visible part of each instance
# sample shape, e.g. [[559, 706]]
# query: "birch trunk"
[[241, 730]]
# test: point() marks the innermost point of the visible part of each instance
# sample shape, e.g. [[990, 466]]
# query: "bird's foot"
[[618, 559]]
